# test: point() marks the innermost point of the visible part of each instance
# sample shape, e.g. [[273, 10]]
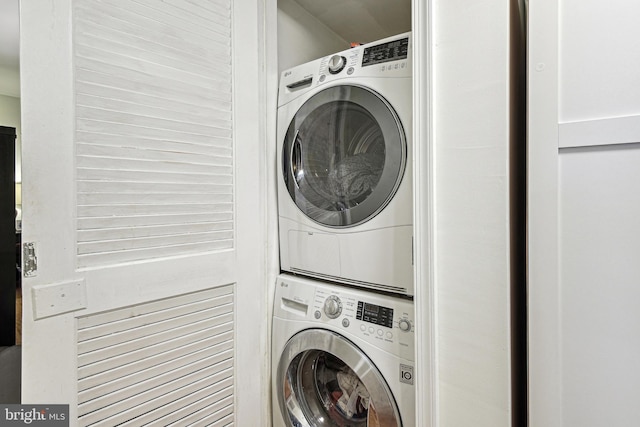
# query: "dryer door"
[[325, 380], [344, 155]]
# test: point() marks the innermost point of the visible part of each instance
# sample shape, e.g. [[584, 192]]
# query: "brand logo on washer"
[[406, 374]]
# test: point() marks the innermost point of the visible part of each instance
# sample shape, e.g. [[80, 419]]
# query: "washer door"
[[344, 156], [325, 380]]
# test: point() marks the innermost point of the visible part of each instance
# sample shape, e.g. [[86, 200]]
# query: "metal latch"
[[29, 259]]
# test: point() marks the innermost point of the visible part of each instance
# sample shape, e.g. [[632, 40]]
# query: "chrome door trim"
[[340, 347], [395, 155]]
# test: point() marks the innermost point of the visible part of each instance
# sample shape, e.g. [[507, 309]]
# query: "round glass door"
[[344, 156], [326, 381]]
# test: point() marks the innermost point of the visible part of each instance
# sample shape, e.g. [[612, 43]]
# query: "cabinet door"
[[136, 117], [583, 205]]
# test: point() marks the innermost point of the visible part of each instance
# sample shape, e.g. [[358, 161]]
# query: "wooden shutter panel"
[[154, 148]]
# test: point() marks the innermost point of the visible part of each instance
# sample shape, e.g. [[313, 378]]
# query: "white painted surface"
[[423, 215], [472, 265], [10, 116], [362, 21], [543, 299], [50, 213], [58, 298], [598, 69], [302, 37], [9, 81], [154, 147], [10, 35], [599, 247], [177, 352], [583, 209], [252, 181], [617, 130]]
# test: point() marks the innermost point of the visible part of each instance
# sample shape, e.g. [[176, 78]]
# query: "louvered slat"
[[98, 223], [154, 149], [152, 361]]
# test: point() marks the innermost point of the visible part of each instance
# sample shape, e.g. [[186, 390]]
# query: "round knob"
[[404, 325], [332, 307], [337, 63]]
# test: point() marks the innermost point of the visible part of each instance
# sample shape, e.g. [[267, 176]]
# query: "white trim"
[[269, 99], [424, 173], [543, 299], [272, 259], [252, 347], [48, 193], [609, 131]]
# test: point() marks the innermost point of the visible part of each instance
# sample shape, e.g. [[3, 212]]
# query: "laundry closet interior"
[[343, 327], [465, 163]]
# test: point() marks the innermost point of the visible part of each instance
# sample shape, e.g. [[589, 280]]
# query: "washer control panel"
[[384, 321]]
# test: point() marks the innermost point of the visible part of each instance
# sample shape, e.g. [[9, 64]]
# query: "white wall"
[[10, 116], [302, 38], [9, 82]]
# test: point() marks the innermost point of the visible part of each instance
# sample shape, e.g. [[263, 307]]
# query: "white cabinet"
[[584, 237]]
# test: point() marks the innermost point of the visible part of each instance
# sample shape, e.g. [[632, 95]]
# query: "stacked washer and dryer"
[[343, 330]]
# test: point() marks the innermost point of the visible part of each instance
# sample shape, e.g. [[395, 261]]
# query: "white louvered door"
[[144, 196]]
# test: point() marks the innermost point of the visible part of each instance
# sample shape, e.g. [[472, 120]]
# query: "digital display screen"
[[371, 309], [375, 314], [391, 51]]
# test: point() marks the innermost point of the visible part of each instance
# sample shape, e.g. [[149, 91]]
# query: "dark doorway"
[[7, 237]]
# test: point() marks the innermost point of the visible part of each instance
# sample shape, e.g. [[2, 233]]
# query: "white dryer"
[[341, 357], [344, 162]]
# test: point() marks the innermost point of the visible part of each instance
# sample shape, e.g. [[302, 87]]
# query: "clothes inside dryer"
[[344, 156]]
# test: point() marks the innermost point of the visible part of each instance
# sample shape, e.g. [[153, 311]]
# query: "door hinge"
[[29, 259]]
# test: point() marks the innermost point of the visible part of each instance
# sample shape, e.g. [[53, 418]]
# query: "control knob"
[[337, 64], [332, 307], [404, 325]]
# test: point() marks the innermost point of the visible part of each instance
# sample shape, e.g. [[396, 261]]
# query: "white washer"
[[344, 162], [341, 356]]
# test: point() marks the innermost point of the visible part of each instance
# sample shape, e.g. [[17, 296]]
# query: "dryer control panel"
[[386, 58], [384, 321]]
